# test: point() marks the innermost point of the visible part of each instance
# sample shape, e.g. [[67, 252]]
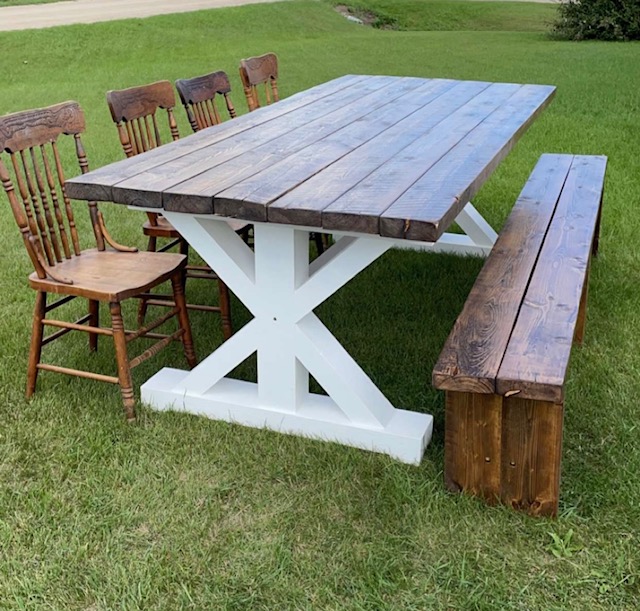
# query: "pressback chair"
[[34, 181], [135, 113], [260, 73], [200, 96]]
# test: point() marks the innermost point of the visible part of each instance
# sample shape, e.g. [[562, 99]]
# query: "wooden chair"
[[199, 96], [257, 73], [34, 182], [134, 111], [261, 73]]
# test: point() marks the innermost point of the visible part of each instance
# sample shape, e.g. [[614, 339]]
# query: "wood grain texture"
[[504, 449], [365, 202], [98, 184], [473, 444], [31, 128], [245, 157], [256, 71], [33, 179], [290, 162], [426, 209], [110, 275], [537, 356], [362, 121], [304, 204], [139, 132], [473, 352], [531, 455], [200, 96], [189, 183], [137, 102]]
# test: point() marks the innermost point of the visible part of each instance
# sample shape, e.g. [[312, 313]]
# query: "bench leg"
[[578, 334], [504, 449], [595, 246], [472, 444]]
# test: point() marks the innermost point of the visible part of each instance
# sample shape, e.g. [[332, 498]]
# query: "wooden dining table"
[[376, 161]]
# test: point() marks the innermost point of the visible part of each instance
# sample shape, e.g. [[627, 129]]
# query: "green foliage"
[[599, 19], [20, 2]]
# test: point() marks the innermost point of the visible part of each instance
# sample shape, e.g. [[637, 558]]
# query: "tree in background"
[[599, 19]]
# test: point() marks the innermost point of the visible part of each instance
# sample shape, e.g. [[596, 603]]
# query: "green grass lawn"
[[17, 2], [426, 15], [179, 512]]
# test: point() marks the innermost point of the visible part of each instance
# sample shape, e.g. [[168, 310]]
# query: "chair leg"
[[122, 358], [183, 318], [35, 350], [152, 245], [225, 309], [94, 321], [317, 238]]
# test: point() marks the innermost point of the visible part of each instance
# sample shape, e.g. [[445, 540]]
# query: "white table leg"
[[281, 288]]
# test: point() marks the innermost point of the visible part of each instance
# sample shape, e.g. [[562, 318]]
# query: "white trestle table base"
[[405, 436], [280, 287]]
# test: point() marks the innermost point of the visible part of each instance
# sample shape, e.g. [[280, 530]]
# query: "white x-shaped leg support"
[[281, 288]]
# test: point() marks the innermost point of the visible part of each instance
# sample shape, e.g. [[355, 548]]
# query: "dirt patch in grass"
[[366, 17]]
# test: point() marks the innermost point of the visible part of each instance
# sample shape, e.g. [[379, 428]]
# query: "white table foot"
[[281, 288], [404, 437]]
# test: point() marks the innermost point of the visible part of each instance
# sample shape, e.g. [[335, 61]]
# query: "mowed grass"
[[20, 2], [427, 15], [179, 512]]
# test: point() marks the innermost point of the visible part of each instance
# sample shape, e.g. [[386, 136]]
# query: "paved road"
[[32, 16]]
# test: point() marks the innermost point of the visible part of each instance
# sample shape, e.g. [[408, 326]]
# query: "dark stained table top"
[[394, 156]]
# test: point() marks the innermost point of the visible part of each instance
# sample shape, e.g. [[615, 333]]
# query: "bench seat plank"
[[505, 363], [473, 352], [535, 362]]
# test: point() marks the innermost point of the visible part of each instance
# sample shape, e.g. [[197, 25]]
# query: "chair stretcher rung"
[[58, 334], [153, 350], [59, 302], [143, 331], [190, 306], [74, 326], [78, 372], [169, 245]]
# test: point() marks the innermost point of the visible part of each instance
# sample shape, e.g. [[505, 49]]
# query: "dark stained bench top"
[[515, 333], [393, 156]]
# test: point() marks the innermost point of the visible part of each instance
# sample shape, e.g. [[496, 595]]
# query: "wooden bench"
[[504, 365]]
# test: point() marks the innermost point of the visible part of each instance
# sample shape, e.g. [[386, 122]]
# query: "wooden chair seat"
[[33, 180], [110, 275], [160, 228]]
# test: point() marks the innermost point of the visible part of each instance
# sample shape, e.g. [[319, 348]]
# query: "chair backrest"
[[199, 96], [256, 72], [34, 180], [134, 112]]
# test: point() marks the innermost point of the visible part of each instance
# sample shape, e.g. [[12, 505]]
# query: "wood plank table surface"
[[377, 161]]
